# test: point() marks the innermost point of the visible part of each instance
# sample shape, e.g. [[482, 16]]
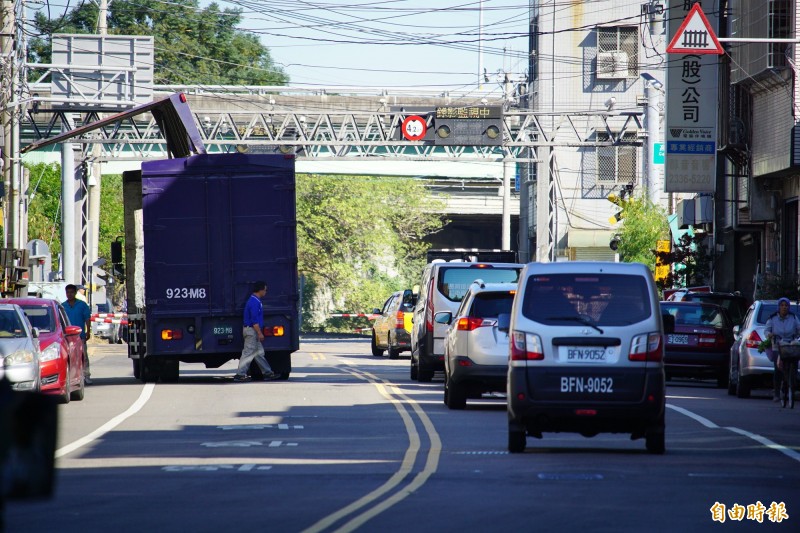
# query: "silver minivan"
[[586, 353], [443, 286]]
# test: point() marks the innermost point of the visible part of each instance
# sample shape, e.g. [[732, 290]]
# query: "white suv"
[[586, 353], [476, 343]]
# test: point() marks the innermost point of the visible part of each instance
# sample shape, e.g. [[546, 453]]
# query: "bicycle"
[[789, 355]]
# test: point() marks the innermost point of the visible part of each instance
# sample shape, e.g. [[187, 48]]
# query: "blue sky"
[[398, 43]]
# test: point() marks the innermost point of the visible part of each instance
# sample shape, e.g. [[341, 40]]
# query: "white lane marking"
[[275, 443], [705, 421], [246, 468], [767, 443], [147, 391], [233, 444]]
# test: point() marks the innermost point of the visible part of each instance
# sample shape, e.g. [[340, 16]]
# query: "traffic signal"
[[618, 201]]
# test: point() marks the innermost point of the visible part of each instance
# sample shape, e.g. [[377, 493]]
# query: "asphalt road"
[[350, 443]]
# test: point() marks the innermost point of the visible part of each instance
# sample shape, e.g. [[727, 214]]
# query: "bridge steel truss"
[[528, 137]]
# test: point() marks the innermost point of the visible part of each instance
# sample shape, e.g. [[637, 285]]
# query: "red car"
[[61, 348], [701, 343]]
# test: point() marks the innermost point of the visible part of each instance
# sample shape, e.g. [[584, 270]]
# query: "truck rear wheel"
[[137, 372]]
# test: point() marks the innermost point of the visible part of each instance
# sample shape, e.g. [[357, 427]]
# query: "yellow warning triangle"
[[695, 35]]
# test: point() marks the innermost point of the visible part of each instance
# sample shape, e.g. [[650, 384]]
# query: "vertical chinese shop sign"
[[692, 101]]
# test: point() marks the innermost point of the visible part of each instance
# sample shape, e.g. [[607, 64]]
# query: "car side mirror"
[[376, 311], [669, 322], [736, 332], [443, 317], [35, 332], [73, 330], [503, 321]]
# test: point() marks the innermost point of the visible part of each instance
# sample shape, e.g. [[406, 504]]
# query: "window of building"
[[616, 164], [617, 52], [780, 18]]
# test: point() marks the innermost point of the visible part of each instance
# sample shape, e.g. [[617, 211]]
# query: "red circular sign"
[[414, 128]]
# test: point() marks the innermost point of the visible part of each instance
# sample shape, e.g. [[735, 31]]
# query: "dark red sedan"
[[61, 347], [701, 343]]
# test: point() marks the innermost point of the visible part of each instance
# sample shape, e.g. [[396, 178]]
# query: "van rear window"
[[454, 282], [604, 299]]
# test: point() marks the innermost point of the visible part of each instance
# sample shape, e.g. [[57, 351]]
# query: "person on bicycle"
[[782, 325]]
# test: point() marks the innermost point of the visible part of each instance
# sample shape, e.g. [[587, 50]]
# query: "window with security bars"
[[616, 164], [618, 45]]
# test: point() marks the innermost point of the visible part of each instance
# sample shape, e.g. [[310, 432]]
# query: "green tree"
[[44, 208], [644, 224], [193, 45], [360, 238]]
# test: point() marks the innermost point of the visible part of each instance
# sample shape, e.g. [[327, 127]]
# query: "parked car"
[[391, 329], [586, 353], [19, 349], [61, 348], [750, 369], [443, 286], [701, 343], [735, 304], [476, 343]]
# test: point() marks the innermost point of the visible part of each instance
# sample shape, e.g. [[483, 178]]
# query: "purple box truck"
[[199, 231]]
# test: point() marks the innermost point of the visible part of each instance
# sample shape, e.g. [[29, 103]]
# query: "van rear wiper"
[[582, 320]]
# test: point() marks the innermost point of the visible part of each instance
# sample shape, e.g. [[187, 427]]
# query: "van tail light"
[[753, 340], [647, 347], [429, 307], [400, 321], [525, 347]]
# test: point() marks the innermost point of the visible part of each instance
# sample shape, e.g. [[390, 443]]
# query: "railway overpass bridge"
[[470, 184]]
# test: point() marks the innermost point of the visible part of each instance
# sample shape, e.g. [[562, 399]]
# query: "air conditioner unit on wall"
[[612, 65]]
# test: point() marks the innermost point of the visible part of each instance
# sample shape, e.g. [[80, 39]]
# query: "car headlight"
[[22, 357], [51, 353]]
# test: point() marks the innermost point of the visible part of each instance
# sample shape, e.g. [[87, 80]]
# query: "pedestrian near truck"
[[254, 336], [79, 314], [785, 325]]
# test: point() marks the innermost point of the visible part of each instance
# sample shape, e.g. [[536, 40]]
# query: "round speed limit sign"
[[414, 128]]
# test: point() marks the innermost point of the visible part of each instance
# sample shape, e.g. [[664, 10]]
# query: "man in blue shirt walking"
[[253, 336], [79, 314]]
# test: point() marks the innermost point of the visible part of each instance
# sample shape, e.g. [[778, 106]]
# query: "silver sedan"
[[19, 349]]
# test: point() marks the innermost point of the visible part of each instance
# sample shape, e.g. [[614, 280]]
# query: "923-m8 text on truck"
[[199, 231]]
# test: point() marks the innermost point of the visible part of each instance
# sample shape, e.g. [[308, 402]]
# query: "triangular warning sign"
[[695, 36]]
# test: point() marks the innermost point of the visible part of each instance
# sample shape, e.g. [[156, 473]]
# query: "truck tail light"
[[525, 347], [274, 331], [400, 322], [647, 347], [171, 334]]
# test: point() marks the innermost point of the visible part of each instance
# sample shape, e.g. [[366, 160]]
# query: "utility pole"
[[508, 171], [7, 85], [95, 177]]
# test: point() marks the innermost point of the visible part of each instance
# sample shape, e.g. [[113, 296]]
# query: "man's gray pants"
[[252, 350]]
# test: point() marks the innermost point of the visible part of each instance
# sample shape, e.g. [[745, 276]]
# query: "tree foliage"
[[360, 238], [193, 45], [644, 224], [44, 209]]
